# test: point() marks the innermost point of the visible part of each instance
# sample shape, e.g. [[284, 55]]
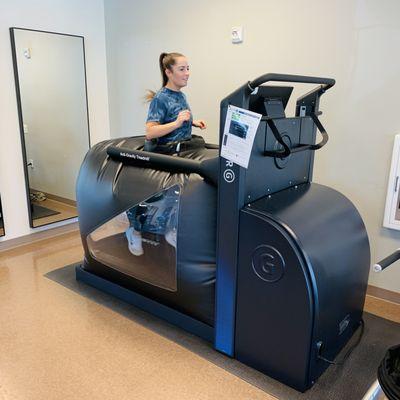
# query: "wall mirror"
[[2, 232], [50, 82]]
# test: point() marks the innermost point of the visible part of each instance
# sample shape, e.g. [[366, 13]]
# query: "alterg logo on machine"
[[229, 174]]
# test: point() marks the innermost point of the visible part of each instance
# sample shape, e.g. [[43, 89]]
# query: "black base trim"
[[170, 315]]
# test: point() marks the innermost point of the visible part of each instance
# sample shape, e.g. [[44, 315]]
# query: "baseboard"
[[38, 236], [61, 199], [55, 197], [383, 294]]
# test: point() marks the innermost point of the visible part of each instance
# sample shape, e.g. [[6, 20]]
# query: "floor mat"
[[41, 212], [347, 382]]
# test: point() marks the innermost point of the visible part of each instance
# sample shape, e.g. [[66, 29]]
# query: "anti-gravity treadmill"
[[267, 265]]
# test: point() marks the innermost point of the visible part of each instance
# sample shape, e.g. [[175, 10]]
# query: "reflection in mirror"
[[1, 221], [50, 82]]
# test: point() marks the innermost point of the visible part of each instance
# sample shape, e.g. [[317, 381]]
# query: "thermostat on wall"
[[392, 208], [237, 34]]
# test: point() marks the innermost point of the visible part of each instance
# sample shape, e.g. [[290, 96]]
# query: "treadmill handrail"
[[286, 151], [389, 260], [145, 159], [325, 82]]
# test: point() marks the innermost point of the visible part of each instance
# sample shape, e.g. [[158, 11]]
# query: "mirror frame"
[[21, 120], [2, 218]]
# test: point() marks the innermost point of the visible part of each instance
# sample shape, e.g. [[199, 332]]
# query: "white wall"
[[354, 41], [85, 18]]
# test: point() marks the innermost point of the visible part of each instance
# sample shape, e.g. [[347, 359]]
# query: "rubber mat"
[[41, 212], [342, 382]]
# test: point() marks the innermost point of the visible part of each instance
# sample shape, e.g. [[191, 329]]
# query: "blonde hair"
[[166, 61]]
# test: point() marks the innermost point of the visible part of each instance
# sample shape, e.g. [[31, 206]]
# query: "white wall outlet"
[[26, 130], [237, 34]]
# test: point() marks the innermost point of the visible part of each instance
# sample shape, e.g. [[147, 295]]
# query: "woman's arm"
[[155, 129], [199, 123]]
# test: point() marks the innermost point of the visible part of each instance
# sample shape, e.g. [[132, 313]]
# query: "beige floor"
[[56, 344]]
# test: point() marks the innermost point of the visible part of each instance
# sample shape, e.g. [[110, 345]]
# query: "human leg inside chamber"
[[141, 241], [155, 217]]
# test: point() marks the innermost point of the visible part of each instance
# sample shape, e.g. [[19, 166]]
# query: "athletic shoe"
[[134, 241], [170, 237]]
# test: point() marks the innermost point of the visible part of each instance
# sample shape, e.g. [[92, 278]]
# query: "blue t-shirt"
[[164, 108]]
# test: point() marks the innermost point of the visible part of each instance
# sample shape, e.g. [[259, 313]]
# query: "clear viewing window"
[[141, 241]]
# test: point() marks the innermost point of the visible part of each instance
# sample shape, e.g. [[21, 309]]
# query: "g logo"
[[229, 175], [268, 264]]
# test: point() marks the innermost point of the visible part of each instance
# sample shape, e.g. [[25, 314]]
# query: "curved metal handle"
[[326, 82], [302, 147], [381, 265]]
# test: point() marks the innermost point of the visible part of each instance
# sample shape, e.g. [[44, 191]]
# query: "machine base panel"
[[170, 315]]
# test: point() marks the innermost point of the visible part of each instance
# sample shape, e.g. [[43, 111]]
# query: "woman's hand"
[[182, 117], [199, 123]]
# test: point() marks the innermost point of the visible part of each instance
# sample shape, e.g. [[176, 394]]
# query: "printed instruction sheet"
[[239, 133]]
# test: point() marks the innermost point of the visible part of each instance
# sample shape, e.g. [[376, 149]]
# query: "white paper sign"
[[239, 133]]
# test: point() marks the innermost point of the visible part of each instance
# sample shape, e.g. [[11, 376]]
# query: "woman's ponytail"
[[166, 61], [163, 67], [149, 96]]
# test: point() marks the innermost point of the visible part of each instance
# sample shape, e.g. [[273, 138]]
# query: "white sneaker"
[[170, 237], [134, 241]]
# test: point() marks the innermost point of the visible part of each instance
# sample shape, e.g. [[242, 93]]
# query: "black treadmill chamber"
[[301, 281], [181, 278]]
